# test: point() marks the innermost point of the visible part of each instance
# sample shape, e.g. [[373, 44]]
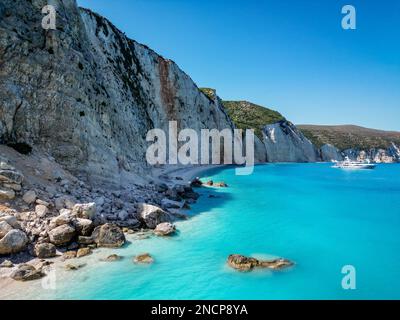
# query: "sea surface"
[[319, 217]]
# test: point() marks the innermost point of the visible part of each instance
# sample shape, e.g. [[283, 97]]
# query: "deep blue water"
[[319, 217]]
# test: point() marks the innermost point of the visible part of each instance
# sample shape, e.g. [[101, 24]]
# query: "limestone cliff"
[[86, 94], [285, 143]]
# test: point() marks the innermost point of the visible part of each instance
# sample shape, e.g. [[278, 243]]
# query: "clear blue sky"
[[289, 55]]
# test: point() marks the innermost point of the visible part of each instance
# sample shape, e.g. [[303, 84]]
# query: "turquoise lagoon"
[[319, 217]]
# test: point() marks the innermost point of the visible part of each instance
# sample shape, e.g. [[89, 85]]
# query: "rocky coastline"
[[61, 219]]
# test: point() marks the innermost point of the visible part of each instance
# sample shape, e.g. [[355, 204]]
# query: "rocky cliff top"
[[247, 115], [350, 136]]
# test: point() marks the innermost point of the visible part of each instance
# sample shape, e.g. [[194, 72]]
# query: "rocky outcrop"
[[152, 215], [378, 155], [285, 143], [329, 153], [88, 83], [242, 263]]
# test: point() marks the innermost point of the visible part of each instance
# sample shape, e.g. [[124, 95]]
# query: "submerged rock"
[[74, 267], [243, 263], [144, 258], [111, 258], [220, 185], [108, 236], [69, 255]]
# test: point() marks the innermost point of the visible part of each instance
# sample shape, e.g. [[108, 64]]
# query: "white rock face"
[[390, 155], [329, 153], [285, 143], [96, 92]]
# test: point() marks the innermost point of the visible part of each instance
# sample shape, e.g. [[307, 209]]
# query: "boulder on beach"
[[69, 255], [45, 250], [84, 227], [85, 210], [165, 229], [13, 242], [62, 235], [152, 215], [243, 263], [26, 272], [144, 258], [29, 197], [6, 264], [108, 235]]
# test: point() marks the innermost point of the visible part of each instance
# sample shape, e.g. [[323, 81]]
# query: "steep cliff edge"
[[86, 94], [358, 143]]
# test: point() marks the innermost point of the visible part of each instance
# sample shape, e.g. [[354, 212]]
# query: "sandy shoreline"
[[15, 290]]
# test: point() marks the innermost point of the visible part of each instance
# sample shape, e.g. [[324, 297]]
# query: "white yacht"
[[349, 164]]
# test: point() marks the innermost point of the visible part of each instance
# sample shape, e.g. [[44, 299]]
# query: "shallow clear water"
[[319, 217]]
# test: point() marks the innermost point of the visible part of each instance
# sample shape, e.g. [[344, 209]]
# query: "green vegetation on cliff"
[[247, 115], [350, 136]]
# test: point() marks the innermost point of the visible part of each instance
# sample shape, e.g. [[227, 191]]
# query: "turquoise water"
[[319, 217]]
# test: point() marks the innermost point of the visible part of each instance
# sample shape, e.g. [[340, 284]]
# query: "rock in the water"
[[74, 267], [85, 210], [220, 185], [196, 183], [6, 264], [26, 272], [151, 215], [13, 242], [144, 258], [165, 229], [112, 258], [29, 197], [108, 236], [69, 255], [243, 263], [45, 250], [4, 228], [62, 235], [7, 194], [83, 252]]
